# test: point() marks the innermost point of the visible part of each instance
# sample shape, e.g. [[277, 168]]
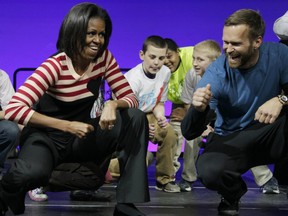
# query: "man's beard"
[[243, 60]]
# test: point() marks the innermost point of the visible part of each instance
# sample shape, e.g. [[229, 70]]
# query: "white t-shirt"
[[149, 91], [190, 82], [6, 89]]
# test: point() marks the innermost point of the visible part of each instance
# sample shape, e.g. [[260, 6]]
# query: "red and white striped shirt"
[[57, 77]]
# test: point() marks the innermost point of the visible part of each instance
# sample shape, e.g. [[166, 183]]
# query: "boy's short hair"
[[172, 45], [155, 41], [212, 47]]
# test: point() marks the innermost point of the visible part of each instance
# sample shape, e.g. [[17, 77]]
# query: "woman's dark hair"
[[172, 45], [73, 31]]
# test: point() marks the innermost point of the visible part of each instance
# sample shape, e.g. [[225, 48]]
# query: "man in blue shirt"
[[247, 88]]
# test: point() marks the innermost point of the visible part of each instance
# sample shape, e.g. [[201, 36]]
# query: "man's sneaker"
[[38, 195], [227, 208], [185, 186], [271, 187], [170, 187], [91, 195]]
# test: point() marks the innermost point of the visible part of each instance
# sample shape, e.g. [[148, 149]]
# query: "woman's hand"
[[108, 116], [76, 128], [79, 129]]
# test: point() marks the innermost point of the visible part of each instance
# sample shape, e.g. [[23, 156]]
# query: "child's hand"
[[177, 114], [162, 121], [207, 131], [151, 131]]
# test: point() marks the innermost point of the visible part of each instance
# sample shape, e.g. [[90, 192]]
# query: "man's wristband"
[[283, 99]]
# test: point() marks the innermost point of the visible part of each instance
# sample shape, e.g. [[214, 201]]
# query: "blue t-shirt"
[[237, 94]]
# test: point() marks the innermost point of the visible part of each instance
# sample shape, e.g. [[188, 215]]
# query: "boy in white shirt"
[[149, 81]]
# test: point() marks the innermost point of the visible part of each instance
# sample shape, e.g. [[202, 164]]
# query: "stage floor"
[[198, 202]]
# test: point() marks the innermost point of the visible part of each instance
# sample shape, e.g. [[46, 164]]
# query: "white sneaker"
[[38, 195]]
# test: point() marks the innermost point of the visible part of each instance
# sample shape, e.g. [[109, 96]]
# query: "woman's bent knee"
[[23, 174]]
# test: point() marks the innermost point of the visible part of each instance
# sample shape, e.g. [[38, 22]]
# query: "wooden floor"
[[199, 202]]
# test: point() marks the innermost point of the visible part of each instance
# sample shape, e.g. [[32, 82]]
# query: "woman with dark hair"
[[59, 129]]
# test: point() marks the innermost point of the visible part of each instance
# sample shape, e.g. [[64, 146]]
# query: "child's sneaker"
[[271, 187], [185, 186], [38, 195], [170, 187]]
